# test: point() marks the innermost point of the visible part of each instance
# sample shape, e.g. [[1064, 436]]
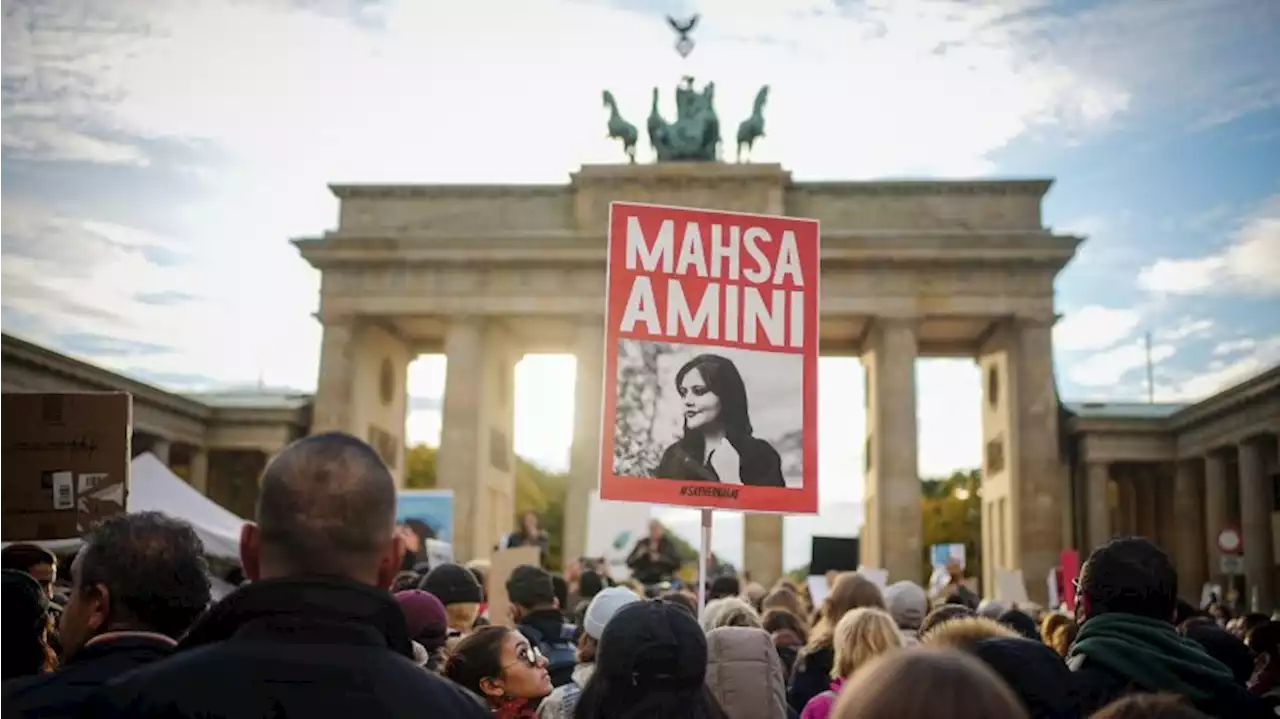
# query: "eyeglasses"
[[528, 655]]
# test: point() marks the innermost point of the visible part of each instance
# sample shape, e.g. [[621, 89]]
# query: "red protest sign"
[[711, 366]]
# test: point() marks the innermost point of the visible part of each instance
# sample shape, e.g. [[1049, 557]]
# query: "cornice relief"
[[462, 214]]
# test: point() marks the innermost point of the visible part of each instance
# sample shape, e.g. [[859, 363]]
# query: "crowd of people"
[[330, 623]]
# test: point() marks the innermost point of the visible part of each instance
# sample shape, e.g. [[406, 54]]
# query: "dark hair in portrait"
[[685, 460]]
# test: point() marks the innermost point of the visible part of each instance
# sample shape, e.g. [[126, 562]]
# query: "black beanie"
[[452, 584]]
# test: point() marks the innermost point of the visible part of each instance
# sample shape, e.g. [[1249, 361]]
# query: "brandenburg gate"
[[487, 273]]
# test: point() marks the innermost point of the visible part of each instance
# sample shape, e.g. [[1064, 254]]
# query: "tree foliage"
[[420, 467], [952, 511]]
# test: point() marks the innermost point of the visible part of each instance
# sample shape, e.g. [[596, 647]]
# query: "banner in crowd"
[[428, 512], [711, 365]]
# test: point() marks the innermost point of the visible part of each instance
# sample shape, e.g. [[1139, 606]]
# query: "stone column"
[[1255, 524], [894, 525], [1188, 537], [476, 459], [1099, 512], [762, 547], [1023, 463], [1215, 510], [584, 454], [335, 384], [361, 386], [200, 470], [160, 448]]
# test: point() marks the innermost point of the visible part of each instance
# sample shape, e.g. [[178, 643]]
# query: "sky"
[[157, 158]]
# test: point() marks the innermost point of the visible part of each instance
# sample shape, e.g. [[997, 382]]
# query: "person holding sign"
[[717, 445], [654, 559]]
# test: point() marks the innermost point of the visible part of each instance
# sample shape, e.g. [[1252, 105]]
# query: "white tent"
[[153, 487]]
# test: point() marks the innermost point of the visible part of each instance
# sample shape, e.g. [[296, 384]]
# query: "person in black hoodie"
[[315, 633], [1126, 600], [137, 584]]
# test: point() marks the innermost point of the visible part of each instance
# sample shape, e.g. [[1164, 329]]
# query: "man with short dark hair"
[[534, 606], [1125, 602], [314, 633], [136, 585], [33, 559]]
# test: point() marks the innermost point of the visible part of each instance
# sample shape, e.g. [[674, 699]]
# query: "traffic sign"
[[1231, 564], [1229, 541]]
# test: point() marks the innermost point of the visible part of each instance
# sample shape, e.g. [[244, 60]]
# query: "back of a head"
[[729, 612], [1033, 671], [327, 506], [850, 591], [153, 569], [531, 587], [1221, 645], [725, 585], [1129, 575], [778, 620], [651, 661], [861, 636], [589, 584], [907, 603], [961, 632], [927, 684], [944, 613], [1020, 622], [1149, 706], [783, 598], [26, 616]]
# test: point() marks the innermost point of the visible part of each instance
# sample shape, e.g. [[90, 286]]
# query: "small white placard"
[[64, 488]]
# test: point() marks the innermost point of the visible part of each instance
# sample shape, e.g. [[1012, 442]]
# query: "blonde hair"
[[729, 612], [1050, 623], [462, 617], [783, 598], [850, 591], [860, 636], [960, 633]]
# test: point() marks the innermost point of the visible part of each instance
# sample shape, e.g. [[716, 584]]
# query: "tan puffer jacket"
[[745, 673]]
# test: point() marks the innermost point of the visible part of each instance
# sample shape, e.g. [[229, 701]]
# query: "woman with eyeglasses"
[[501, 667]]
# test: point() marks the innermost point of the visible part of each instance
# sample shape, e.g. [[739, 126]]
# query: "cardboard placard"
[[711, 360], [503, 563], [65, 462]]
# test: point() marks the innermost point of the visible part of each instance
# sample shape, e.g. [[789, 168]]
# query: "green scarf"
[[1150, 654]]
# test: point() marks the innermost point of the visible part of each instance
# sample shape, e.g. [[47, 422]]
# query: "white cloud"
[[1107, 369], [1249, 264], [1231, 347], [244, 321], [1195, 386], [435, 81], [1187, 328], [1094, 327]]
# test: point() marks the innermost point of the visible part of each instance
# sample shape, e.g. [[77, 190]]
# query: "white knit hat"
[[602, 608]]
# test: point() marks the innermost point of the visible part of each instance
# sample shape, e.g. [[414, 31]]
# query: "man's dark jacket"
[[651, 571], [64, 692], [305, 648], [1120, 654]]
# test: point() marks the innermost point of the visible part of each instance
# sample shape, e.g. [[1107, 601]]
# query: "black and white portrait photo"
[[711, 414]]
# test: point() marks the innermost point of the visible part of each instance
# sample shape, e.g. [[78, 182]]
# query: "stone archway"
[[486, 273]]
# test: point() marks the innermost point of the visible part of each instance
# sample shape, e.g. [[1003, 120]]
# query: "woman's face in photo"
[[701, 405]]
